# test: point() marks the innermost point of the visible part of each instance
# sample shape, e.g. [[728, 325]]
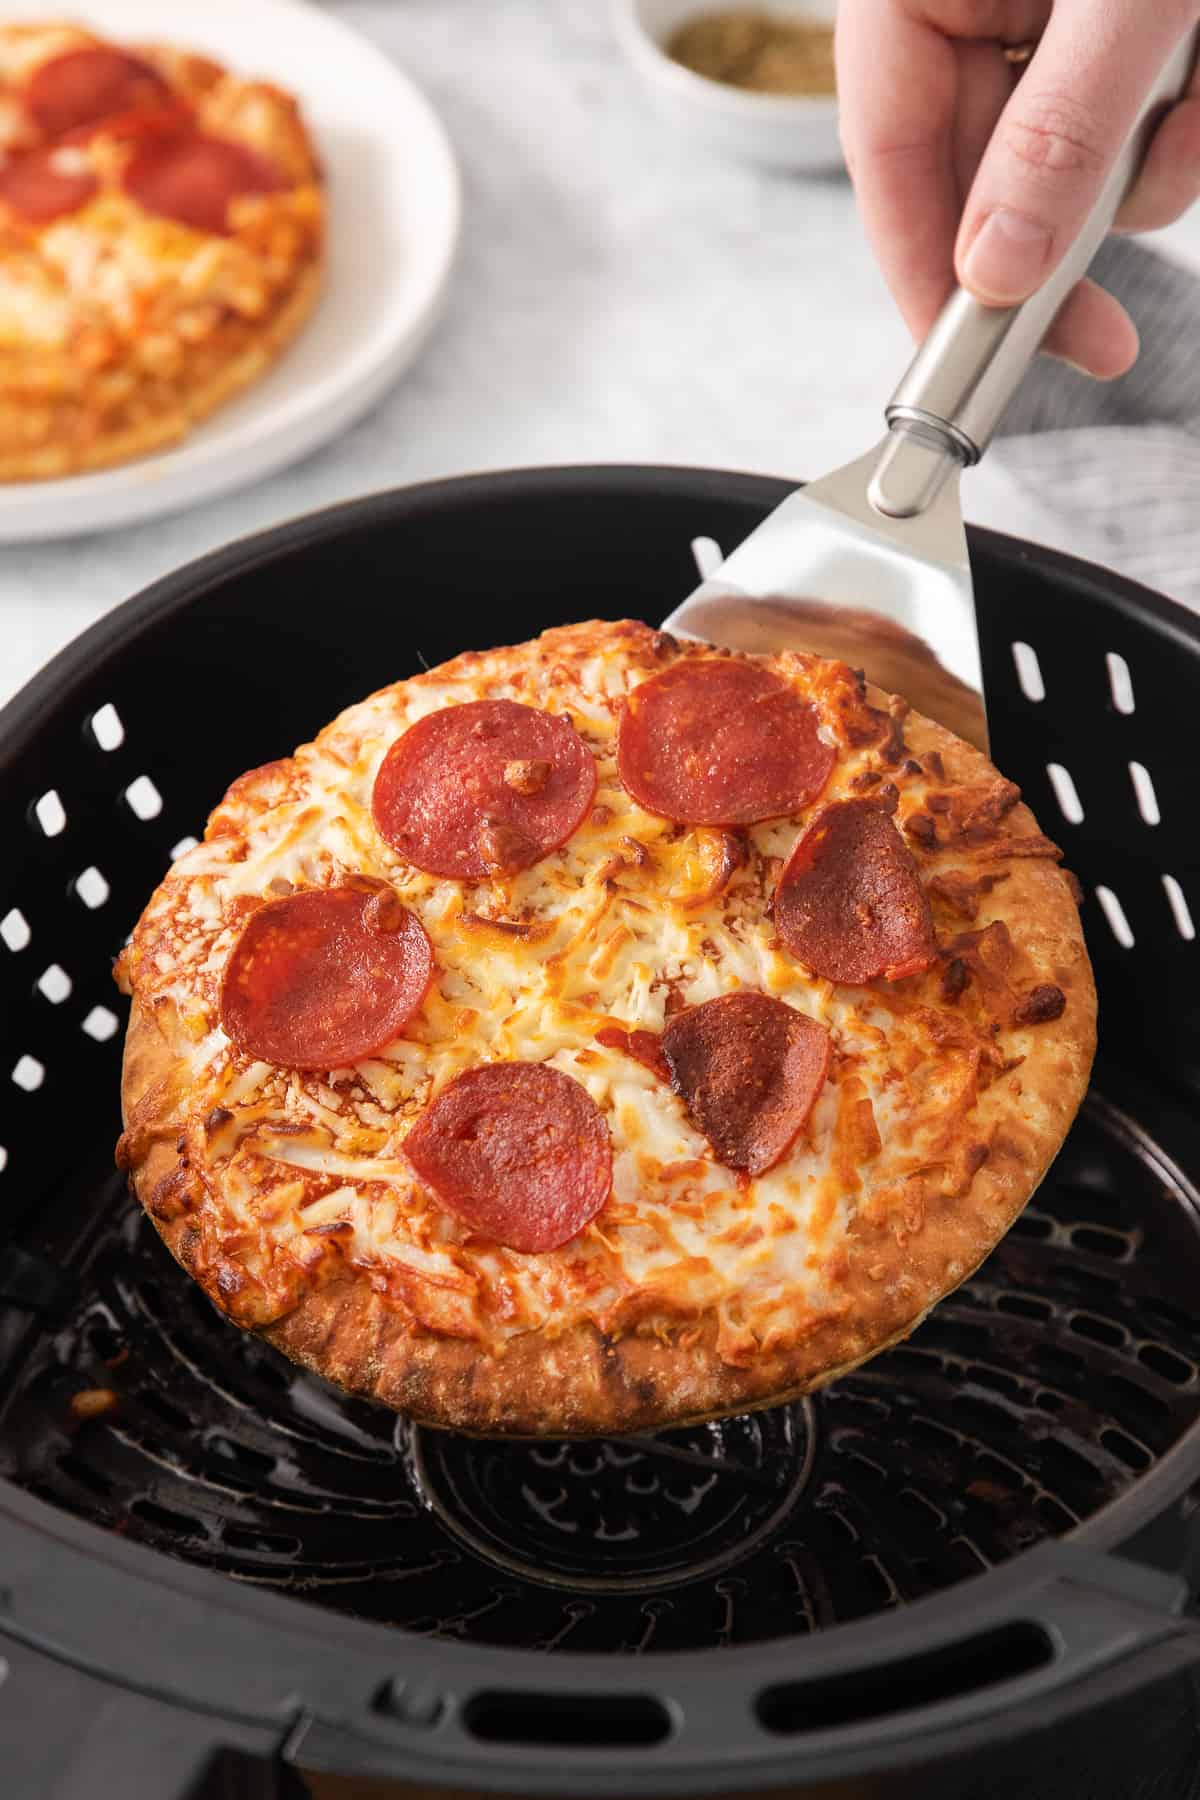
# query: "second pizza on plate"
[[161, 232], [603, 1032]]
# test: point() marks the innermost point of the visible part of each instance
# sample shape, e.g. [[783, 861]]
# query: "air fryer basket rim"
[[180, 587], [316, 1680], [1096, 1609]]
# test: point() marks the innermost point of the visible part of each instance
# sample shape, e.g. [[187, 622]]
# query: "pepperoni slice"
[[82, 86], [518, 1151], [325, 976], [748, 1069], [169, 117], [489, 787], [720, 742], [46, 184], [850, 905], [643, 1046], [193, 178]]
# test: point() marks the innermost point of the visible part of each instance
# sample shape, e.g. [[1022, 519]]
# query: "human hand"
[[965, 172]]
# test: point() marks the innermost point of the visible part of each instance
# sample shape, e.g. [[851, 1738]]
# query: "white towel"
[[1111, 470]]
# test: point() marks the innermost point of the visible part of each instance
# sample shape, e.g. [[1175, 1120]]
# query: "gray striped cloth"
[[1111, 471]]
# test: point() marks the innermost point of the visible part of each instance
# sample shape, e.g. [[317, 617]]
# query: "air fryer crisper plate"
[[1044, 1414], [1028, 1401]]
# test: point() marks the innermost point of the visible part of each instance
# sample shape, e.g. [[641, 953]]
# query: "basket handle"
[[66, 1734]]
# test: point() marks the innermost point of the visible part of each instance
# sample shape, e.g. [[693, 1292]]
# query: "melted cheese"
[[125, 269], [34, 307]]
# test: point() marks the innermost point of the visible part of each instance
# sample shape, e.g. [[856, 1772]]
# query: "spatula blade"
[[828, 571]]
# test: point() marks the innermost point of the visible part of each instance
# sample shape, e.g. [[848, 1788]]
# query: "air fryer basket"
[[980, 1542]]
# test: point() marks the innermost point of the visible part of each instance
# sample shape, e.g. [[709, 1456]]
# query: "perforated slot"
[[923, 1507], [92, 887], [1104, 1242], [1096, 1288], [107, 728], [1029, 671], [859, 1695], [29, 1074], [1164, 1362], [1060, 1364], [182, 847], [1120, 683], [3, 1159], [1100, 1331], [1012, 1386], [143, 798], [707, 555], [1024, 1306], [177, 1524], [50, 813], [55, 984], [1066, 793], [162, 1408], [1180, 910], [984, 1416], [1070, 1470], [1053, 1516], [1144, 794], [1135, 1456], [14, 929], [101, 1024], [1135, 1400], [1114, 912], [579, 1721]]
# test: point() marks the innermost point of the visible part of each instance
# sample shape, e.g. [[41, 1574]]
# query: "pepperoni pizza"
[[160, 242], [603, 1032]]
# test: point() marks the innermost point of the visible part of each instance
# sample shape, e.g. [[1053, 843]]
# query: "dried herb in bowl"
[[748, 48]]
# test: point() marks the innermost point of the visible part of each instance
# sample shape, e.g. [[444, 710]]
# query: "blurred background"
[[624, 290]]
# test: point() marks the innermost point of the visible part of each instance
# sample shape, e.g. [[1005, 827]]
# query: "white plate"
[[394, 219]]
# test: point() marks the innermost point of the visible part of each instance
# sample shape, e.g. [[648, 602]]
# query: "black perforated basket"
[[970, 1564]]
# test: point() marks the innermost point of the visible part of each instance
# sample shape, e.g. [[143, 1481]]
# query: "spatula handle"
[[967, 370]]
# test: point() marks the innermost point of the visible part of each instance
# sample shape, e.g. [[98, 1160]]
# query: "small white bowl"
[[782, 131]]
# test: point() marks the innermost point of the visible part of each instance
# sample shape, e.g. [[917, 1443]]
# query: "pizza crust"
[[583, 1383], [168, 417], [892, 1265]]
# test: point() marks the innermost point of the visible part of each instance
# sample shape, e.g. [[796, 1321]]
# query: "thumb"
[[1057, 139]]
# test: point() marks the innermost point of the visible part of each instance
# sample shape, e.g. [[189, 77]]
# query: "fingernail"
[[1007, 257], [1079, 368]]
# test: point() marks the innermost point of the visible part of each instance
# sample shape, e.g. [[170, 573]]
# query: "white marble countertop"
[[618, 298]]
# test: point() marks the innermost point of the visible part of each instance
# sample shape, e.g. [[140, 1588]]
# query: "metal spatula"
[[870, 563]]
